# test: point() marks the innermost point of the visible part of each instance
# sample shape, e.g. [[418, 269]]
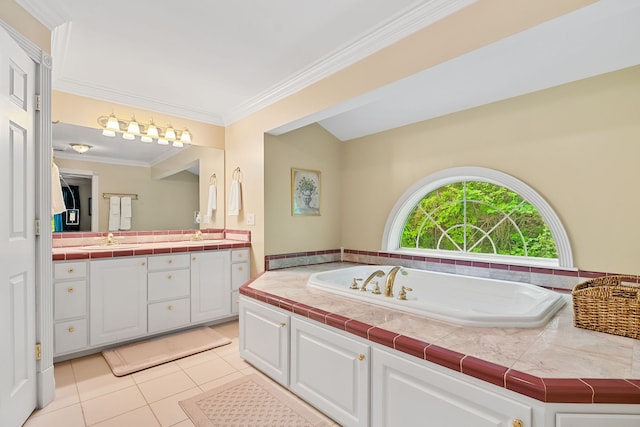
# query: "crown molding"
[[397, 27], [51, 13], [76, 87]]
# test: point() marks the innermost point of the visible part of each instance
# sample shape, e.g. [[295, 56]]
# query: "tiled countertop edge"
[[550, 390]]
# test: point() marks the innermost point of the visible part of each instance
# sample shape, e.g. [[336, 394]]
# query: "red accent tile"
[[499, 266], [317, 314], [273, 300], [523, 383], [613, 391], [636, 383], [124, 252], [481, 264], [591, 274], [161, 251], [436, 260], [410, 346], [336, 320], [287, 304], [565, 273], [55, 236], [382, 336], [486, 371], [464, 263], [448, 261], [143, 251], [175, 250], [58, 257], [77, 255], [541, 270], [522, 268], [101, 254], [444, 357], [301, 309], [358, 328], [567, 390]]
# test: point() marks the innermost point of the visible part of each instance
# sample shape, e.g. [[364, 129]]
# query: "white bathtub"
[[464, 300]]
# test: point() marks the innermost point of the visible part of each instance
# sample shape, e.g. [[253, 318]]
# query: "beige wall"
[[164, 204], [578, 145], [312, 148], [25, 24]]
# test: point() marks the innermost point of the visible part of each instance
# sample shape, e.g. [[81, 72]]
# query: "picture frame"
[[305, 192]]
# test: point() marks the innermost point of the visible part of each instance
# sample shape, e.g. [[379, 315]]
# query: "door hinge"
[[38, 102], [38, 351], [37, 227]]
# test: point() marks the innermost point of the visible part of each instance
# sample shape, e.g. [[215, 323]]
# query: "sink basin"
[[109, 247]]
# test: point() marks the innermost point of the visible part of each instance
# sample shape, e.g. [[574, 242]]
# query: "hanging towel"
[[57, 199], [235, 198], [125, 213], [114, 213], [213, 200]]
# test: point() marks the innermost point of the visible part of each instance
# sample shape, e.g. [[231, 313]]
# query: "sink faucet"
[[391, 277], [377, 273], [197, 237], [111, 240]]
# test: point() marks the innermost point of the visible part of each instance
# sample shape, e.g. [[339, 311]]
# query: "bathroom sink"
[[109, 247]]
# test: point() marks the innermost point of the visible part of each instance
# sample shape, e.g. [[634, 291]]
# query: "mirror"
[[167, 185]]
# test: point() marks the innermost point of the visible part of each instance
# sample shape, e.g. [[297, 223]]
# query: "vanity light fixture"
[[130, 129], [81, 148]]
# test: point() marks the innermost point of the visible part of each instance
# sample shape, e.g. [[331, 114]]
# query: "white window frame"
[[408, 201]]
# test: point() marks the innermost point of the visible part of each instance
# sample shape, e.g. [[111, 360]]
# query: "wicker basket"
[[608, 304]]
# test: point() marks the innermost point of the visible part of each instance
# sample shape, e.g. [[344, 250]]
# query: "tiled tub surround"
[[69, 246], [554, 363]]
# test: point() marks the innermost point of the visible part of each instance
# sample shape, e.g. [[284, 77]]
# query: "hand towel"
[[114, 213], [125, 213], [213, 202], [57, 199], [235, 198]]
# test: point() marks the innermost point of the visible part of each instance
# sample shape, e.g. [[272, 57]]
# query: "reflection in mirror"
[[170, 183]]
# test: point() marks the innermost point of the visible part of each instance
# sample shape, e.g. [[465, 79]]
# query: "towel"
[[114, 213], [125, 213], [212, 203], [57, 199], [235, 198]]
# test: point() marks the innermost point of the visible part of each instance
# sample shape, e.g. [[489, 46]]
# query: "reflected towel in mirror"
[[125, 213], [114, 213]]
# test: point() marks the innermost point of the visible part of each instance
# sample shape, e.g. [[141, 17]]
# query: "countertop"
[[554, 363]]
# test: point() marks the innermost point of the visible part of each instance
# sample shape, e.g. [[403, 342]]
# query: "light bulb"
[[107, 132], [178, 144], [128, 136], [133, 127], [145, 138], [185, 137], [162, 141], [112, 124], [152, 131], [170, 133]]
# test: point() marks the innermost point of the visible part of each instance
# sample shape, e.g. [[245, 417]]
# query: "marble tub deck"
[[553, 363]]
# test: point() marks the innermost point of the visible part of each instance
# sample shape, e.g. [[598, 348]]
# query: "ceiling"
[[218, 61]]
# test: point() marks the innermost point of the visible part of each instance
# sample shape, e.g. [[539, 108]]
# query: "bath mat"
[[250, 401], [141, 355]]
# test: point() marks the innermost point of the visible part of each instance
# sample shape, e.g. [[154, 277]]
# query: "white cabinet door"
[[331, 372], [597, 420], [264, 339], [118, 299], [404, 393], [210, 285]]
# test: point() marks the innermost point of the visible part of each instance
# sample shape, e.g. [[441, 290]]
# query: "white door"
[[17, 235]]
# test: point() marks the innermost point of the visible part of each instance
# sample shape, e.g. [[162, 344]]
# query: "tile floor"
[[88, 394]]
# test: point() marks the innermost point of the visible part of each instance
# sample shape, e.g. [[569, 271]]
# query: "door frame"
[[45, 382]]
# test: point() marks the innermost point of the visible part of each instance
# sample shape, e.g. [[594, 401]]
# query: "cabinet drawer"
[[69, 270], [240, 255], [168, 284], [239, 274], [168, 314], [168, 262], [70, 336], [69, 299]]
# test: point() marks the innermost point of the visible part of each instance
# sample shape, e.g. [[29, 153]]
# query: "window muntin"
[[478, 217]]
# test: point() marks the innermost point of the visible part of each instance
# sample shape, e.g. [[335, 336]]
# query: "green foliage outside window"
[[478, 217]]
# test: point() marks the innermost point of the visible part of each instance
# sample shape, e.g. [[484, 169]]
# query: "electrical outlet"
[[251, 219]]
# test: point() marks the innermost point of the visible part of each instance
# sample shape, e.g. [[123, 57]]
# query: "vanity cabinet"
[[210, 289], [410, 394], [597, 420], [331, 371], [70, 306], [240, 274], [118, 299], [264, 339], [168, 292]]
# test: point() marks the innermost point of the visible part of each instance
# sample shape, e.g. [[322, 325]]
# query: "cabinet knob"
[[193, 259], [71, 329], [170, 308], [70, 290], [169, 261], [517, 423], [239, 268], [143, 263], [283, 324], [361, 356], [240, 255], [169, 277], [70, 270]]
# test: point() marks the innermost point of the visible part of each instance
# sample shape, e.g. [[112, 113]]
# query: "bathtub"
[[464, 300]]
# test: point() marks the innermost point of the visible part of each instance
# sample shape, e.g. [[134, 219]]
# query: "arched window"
[[477, 214]]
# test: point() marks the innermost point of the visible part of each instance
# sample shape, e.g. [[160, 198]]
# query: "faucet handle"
[[376, 289], [354, 284], [403, 292]]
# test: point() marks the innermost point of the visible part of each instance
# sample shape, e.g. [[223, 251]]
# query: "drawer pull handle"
[[170, 261], [193, 259], [517, 423], [169, 277], [71, 329], [361, 356], [70, 290], [70, 270], [170, 308], [240, 255], [283, 324], [240, 268]]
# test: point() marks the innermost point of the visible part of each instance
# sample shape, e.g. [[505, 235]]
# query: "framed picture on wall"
[[305, 192]]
